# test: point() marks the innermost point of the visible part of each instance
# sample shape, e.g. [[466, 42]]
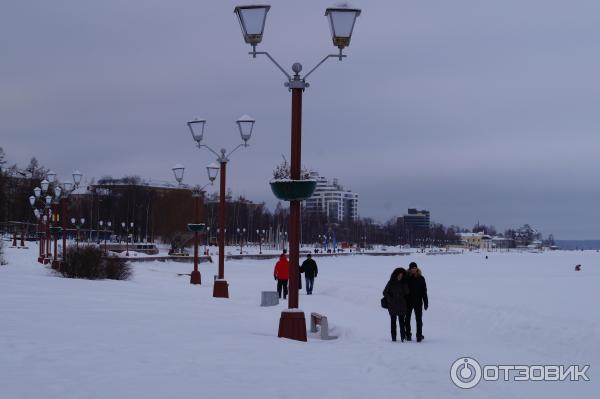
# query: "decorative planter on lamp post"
[[245, 126], [252, 19]]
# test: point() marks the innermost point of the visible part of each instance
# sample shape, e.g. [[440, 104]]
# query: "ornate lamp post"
[[65, 191], [261, 234], [207, 238], [38, 211], [55, 228], [252, 19], [78, 225], [126, 227], [241, 233], [245, 126], [43, 212], [105, 232], [196, 227]]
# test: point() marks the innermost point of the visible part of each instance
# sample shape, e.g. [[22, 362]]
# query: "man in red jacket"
[[282, 274]]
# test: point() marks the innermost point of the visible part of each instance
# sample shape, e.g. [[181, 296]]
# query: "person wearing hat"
[[417, 300]]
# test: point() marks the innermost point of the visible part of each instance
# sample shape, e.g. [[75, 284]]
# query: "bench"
[[317, 319], [269, 298]]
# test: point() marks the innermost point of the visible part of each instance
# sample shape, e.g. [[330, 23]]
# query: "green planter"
[[293, 190], [196, 227]]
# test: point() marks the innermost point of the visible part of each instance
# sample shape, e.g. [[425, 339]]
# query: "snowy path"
[[156, 336]]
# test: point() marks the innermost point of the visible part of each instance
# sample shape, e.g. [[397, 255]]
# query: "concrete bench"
[[269, 298], [321, 321]]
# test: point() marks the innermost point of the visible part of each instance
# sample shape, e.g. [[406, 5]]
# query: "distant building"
[[416, 218], [331, 199], [475, 240]]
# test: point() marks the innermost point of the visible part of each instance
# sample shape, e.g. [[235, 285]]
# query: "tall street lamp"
[[245, 126], [196, 227], [252, 19]]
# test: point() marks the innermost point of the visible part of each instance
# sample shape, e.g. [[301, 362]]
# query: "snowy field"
[[157, 336]]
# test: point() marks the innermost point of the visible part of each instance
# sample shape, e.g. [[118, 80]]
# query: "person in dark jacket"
[[395, 293], [310, 270], [282, 274], [417, 299]]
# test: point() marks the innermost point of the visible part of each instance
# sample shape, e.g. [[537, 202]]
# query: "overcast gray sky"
[[475, 110]]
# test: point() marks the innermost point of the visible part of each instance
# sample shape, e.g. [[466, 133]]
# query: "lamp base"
[[56, 264], [221, 289], [40, 259], [46, 261], [292, 325], [195, 277]]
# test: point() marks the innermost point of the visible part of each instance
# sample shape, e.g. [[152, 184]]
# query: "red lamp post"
[[196, 227], [252, 19], [55, 225], [245, 125]]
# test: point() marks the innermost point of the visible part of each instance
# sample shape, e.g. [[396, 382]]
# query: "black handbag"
[[384, 303]]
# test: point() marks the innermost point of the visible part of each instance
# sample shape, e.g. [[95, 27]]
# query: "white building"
[[331, 199]]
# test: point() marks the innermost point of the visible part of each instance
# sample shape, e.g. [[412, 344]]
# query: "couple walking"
[[281, 273], [405, 292]]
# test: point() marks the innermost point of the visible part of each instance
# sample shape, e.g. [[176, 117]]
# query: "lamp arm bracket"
[[338, 56], [209, 149], [287, 75], [235, 149]]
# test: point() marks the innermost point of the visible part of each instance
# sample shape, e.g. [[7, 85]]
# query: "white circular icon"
[[465, 372]]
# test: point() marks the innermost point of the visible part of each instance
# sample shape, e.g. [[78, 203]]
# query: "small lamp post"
[[241, 234], [55, 228], [126, 227], [260, 234], [196, 227], [245, 126], [341, 20], [105, 232], [207, 238], [78, 225]]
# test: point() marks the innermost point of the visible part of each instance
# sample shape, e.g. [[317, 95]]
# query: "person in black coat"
[[310, 270], [395, 293], [417, 299]]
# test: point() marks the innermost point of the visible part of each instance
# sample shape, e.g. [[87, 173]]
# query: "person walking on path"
[[395, 293], [310, 270], [281, 275], [417, 300]]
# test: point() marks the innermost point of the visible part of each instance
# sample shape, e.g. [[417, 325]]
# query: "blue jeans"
[[310, 281]]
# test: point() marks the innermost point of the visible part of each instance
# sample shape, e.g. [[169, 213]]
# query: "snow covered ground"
[[157, 336]]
